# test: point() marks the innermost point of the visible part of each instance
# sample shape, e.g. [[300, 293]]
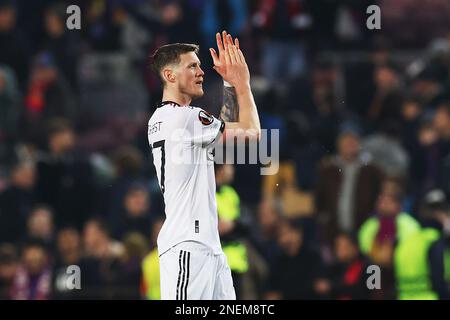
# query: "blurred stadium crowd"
[[364, 119]]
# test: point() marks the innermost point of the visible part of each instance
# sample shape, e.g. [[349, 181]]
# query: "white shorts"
[[191, 271]]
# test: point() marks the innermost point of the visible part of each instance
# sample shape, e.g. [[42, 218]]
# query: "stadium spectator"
[[128, 283], [60, 42], [387, 96], [233, 226], [48, 95], [33, 277], [347, 186], [16, 202], [381, 233], [40, 225], [419, 258], [65, 176], [68, 253], [136, 214], [100, 262], [442, 124], [296, 272], [347, 275], [9, 261], [13, 42], [9, 114], [285, 24], [264, 234]]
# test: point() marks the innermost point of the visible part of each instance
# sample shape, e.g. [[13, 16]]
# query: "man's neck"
[[181, 99]]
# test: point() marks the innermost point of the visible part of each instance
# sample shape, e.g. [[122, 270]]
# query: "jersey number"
[[160, 144]]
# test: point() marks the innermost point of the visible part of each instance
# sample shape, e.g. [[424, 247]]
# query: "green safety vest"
[[411, 266], [447, 265], [150, 273], [228, 208], [405, 224]]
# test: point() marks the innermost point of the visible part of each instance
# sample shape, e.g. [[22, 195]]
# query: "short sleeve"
[[205, 129]]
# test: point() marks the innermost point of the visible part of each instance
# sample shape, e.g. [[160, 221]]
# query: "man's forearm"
[[230, 108], [239, 109]]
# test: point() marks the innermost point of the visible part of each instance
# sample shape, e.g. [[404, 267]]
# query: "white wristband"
[[227, 84]]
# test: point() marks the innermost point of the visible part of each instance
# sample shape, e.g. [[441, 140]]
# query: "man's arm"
[[239, 109], [230, 109]]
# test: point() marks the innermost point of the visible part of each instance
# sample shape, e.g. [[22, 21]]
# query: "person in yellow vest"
[[150, 284], [231, 226], [420, 259], [379, 236]]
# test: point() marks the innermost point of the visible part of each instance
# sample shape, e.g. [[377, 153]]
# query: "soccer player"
[[192, 263]]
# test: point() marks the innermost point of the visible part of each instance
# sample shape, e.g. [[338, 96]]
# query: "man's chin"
[[198, 94]]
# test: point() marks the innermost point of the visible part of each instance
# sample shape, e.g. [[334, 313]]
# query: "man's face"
[[189, 75], [345, 249], [34, 259], [348, 147], [442, 120], [137, 203], [387, 205]]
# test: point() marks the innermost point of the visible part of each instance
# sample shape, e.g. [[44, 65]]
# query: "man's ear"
[[169, 75]]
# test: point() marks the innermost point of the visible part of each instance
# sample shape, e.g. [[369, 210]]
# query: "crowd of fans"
[[364, 140]]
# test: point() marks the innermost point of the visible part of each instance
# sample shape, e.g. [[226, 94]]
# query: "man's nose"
[[200, 72]]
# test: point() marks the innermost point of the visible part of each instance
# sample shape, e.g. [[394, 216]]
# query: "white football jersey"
[[182, 139]]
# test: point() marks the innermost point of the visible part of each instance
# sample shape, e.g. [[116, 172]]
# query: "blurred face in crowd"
[[442, 121], [137, 202], [24, 176], [267, 216], [94, 238], [7, 19], [61, 142], [290, 239], [428, 135], [385, 77], [68, 241], [8, 270], [8, 262], [34, 259], [225, 174], [40, 224], [187, 76], [346, 250], [348, 147], [411, 110], [387, 204], [53, 24]]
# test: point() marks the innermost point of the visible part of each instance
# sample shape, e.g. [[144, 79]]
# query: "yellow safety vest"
[[228, 208], [150, 272], [412, 268]]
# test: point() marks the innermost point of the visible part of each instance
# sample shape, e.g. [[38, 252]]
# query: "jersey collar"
[[164, 103]]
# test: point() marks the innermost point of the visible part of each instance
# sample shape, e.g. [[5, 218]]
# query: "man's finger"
[[214, 55], [241, 56], [230, 40], [224, 39], [219, 42], [233, 53], [236, 43]]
